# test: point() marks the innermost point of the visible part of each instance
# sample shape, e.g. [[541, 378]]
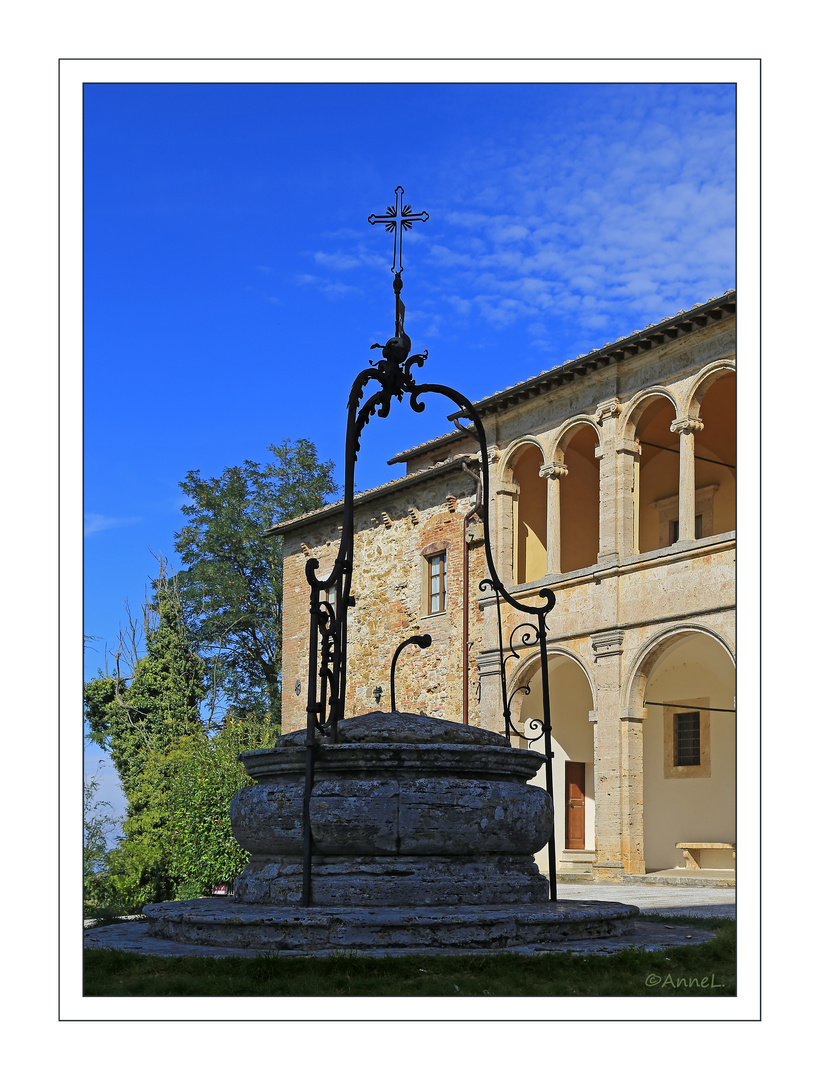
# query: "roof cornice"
[[431, 444], [685, 322], [367, 496]]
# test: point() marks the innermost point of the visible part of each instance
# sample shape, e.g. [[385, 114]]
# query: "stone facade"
[[612, 483], [393, 538]]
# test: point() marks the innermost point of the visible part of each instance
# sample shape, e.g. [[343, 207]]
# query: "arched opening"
[[579, 500], [715, 458], [657, 475], [573, 744], [689, 754], [531, 517]]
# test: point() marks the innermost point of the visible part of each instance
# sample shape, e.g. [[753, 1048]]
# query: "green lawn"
[[691, 970]]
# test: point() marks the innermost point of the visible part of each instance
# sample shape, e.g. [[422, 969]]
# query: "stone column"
[[608, 866], [553, 472], [504, 553], [632, 791], [609, 510], [686, 428], [488, 664], [627, 479]]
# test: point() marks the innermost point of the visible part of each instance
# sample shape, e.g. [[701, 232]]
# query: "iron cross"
[[397, 215]]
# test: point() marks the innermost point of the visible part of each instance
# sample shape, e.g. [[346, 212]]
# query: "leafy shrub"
[[206, 776]]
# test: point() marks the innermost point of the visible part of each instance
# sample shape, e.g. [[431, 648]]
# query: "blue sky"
[[233, 285]]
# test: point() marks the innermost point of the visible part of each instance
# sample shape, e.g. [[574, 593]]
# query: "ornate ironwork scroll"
[[328, 624]]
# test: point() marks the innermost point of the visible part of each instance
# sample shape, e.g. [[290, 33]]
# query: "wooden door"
[[574, 805]]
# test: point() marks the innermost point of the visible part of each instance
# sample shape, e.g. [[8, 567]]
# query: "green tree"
[[232, 576], [139, 713], [96, 871], [206, 774], [148, 701]]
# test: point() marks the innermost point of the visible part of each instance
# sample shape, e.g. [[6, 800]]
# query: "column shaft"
[[686, 485], [553, 473]]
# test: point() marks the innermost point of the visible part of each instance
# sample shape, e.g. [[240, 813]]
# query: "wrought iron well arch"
[[328, 622]]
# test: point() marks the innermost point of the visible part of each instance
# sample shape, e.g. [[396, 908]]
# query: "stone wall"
[[388, 583]]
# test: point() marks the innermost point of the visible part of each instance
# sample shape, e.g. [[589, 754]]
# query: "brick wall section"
[[388, 571]]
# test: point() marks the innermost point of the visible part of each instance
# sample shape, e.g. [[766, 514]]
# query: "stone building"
[[613, 483]]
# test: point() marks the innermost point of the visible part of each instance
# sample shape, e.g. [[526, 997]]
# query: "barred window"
[[687, 738]]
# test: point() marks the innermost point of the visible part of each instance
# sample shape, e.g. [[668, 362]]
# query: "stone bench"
[[691, 851]]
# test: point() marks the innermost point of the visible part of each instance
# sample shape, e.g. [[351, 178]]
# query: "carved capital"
[[556, 470], [686, 425], [508, 487], [608, 410]]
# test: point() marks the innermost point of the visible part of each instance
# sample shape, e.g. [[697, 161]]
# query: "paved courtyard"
[[699, 901]]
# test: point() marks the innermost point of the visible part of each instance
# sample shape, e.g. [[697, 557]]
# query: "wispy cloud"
[[618, 212], [95, 523], [337, 260], [333, 290], [352, 258]]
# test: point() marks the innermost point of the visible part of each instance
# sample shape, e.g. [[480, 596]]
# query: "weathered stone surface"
[[444, 928], [411, 815], [403, 728], [404, 809], [379, 881], [648, 937]]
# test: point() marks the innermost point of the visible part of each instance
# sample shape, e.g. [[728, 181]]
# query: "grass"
[[706, 970]]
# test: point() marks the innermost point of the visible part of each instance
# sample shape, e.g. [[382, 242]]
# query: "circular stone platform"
[[320, 931]]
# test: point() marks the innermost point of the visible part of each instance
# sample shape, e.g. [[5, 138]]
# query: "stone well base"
[[320, 931], [396, 882]]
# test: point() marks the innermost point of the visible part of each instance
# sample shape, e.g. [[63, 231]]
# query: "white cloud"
[[640, 221], [331, 289], [349, 259], [336, 260], [95, 523]]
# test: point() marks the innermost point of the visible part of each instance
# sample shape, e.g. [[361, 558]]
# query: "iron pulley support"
[[424, 641]]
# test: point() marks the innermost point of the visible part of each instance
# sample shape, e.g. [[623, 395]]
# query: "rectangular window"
[[437, 582], [687, 738]]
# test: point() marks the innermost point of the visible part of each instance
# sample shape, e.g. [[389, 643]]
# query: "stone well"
[[405, 809], [423, 839]]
